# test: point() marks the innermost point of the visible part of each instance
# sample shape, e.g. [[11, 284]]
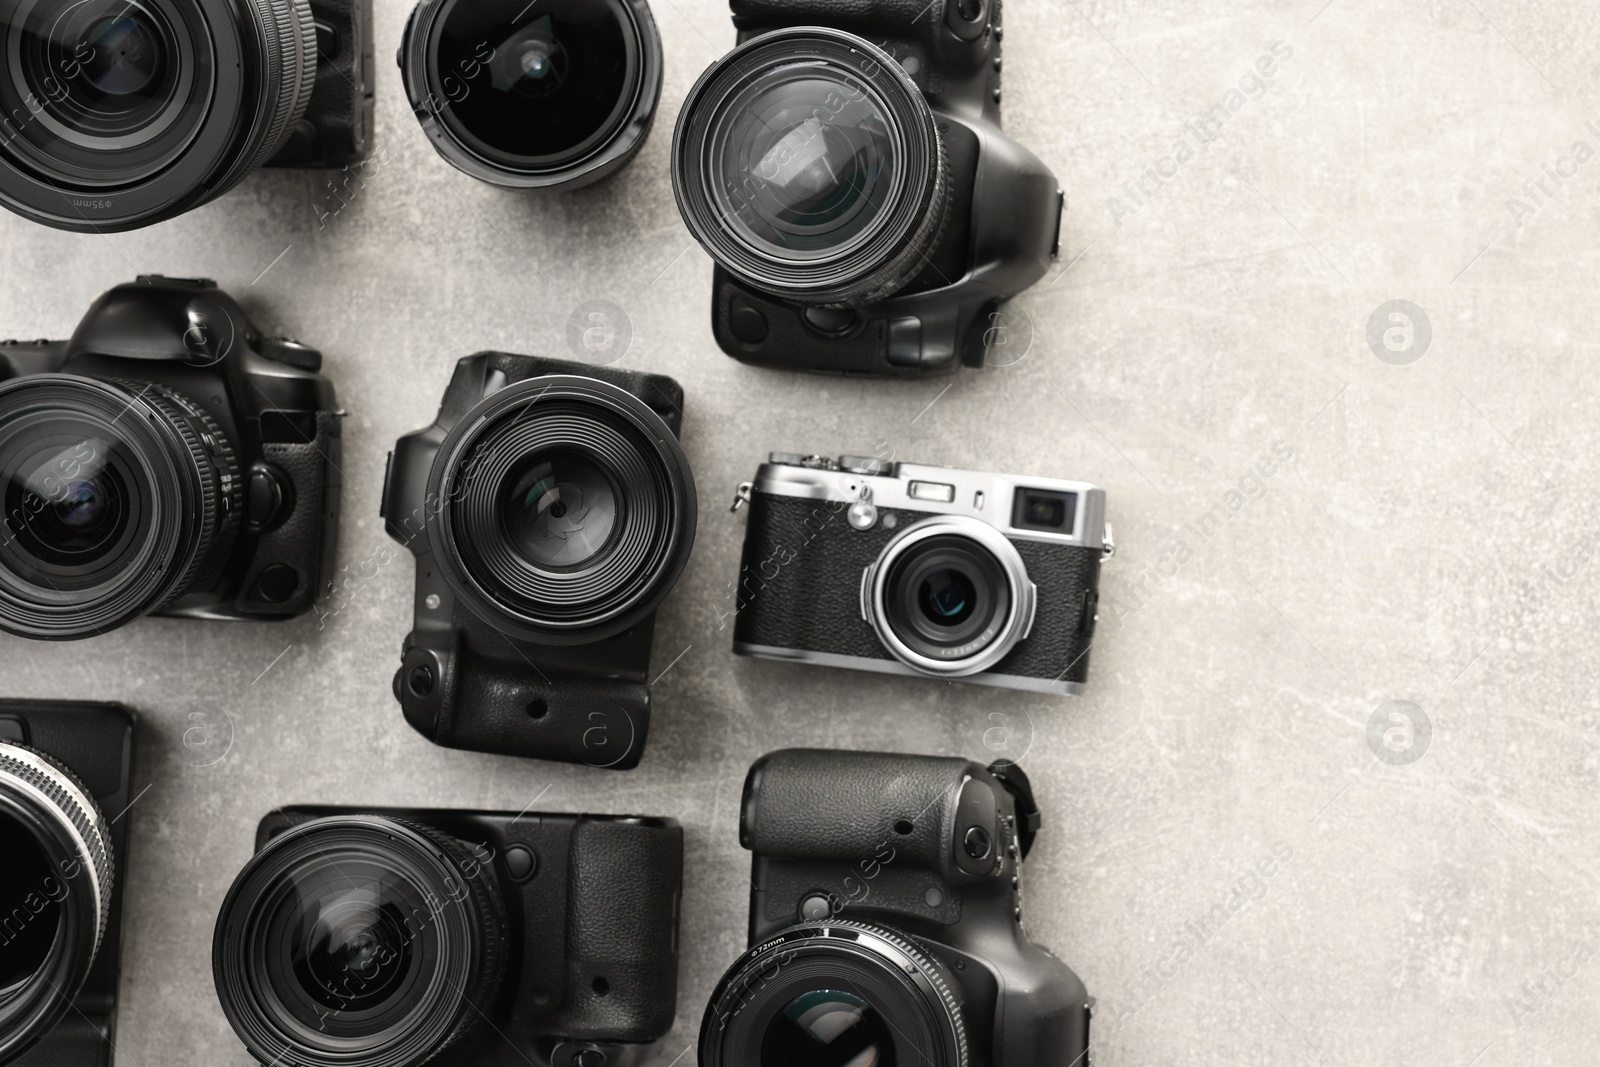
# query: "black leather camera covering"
[[813, 602], [95, 742], [602, 903]]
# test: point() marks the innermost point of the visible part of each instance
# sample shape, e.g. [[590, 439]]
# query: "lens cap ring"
[[487, 452], [882, 971], [459, 937], [985, 647], [809, 165], [44, 804]]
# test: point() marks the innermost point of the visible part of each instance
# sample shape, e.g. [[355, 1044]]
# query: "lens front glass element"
[[347, 945], [100, 92], [946, 597], [535, 85], [804, 161], [828, 1028], [562, 511], [26, 879]]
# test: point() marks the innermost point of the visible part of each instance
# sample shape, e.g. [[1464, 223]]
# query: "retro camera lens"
[[530, 95], [120, 113], [55, 889], [358, 941], [809, 165], [838, 994], [950, 596], [117, 497], [567, 509]]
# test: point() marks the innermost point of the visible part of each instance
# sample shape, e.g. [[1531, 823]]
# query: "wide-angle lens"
[[950, 596], [553, 92], [118, 113], [55, 893], [838, 994], [116, 499], [361, 941], [808, 164], [568, 509]]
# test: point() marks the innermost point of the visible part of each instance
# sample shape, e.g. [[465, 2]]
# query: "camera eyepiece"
[[358, 941], [834, 994], [118, 497], [949, 595], [534, 95], [120, 113], [55, 889], [566, 509], [809, 165]]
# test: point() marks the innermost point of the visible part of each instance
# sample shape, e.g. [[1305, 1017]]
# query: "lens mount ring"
[[179, 473], [884, 970], [771, 219], [494, 445], [47, 802], [439, 86], [1010, 624], [455, 932]]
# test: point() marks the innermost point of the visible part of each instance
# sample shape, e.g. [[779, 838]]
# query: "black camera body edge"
[[337, 129]]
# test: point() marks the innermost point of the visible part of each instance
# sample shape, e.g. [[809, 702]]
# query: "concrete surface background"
[[1430, 541]]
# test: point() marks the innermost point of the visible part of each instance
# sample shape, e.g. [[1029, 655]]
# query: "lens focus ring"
[[289, 71], [58, 794]]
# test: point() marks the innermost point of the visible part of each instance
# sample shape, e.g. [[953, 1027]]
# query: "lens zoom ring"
[[63, 789], [488, 916], [217, 472], [288, 72], [931, 970]]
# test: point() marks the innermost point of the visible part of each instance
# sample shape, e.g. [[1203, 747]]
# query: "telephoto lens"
[[534, 95], [115, 114], [56, 888]]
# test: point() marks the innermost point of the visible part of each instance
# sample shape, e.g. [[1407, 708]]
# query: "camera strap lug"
[[1028, 817], [1108, 543], [741, 495]]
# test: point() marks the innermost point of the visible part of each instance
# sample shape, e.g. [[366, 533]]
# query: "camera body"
[[265, 396], [1003, 215], [94, 741], [822, 563], [465, 681], [913, 862], [591, 944], [337, 128]]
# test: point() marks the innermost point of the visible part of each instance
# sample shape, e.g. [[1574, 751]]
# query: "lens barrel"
[[118, 497], [116, 114], [553, 93], [834, 994], [566, 509], [55, 893], [359, 941], [950, 596], [809, 165]]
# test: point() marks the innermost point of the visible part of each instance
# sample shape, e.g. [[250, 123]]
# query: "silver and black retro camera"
[[906, 568]]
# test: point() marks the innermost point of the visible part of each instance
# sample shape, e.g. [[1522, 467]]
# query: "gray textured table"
[[1430, 541]]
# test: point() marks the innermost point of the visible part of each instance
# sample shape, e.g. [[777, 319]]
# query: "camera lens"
[[55, 892], [119, 113], [808, 164], [950, 596], [361, 941], [527, 95], [838, 994], [567, 509], [118, 497]]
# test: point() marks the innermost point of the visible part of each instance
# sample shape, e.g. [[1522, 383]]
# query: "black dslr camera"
[[63, 765], [845, 168], [168, 459], [908, 568], [117, 114], [394, 938], [886, 922], [550, 509]]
